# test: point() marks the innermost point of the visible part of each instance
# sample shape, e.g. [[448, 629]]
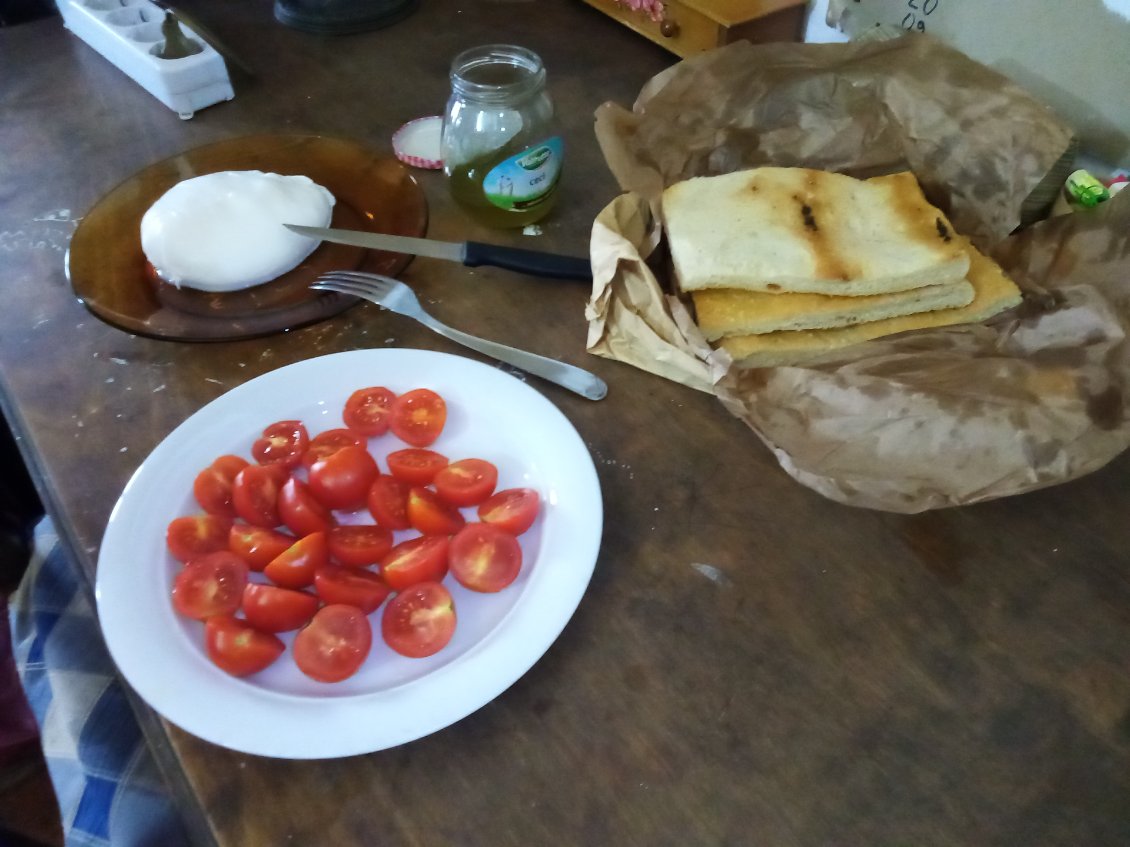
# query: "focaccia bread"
[[799, 230]]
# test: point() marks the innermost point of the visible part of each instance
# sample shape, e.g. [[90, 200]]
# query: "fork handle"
[[531, 262], [575, 379]]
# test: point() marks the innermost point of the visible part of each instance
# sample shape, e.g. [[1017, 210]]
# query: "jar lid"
[[417, 143], [341, 17]]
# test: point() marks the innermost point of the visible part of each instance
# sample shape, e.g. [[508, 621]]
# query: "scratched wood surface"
[[752, 664]]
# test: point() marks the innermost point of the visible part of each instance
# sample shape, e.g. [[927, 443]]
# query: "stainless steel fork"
[[398, 297]]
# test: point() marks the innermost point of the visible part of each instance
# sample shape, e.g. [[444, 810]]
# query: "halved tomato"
[[301, 511], [196, 535], [367, 410], [359, 545], [467, 482], [484, 557], [430, 515], [257, 545], [296, 566], [388, 503], [342, 480], [239, 648], [422, 559], [417, 417], [334, 644], [419, 621], [363, 589], [270, 608], [329, 442], [513, 510], [255, 494], [415, 465], [211, 584], [212, 486], [282, 443]]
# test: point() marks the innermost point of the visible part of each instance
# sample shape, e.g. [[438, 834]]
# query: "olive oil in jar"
[[501, 155]]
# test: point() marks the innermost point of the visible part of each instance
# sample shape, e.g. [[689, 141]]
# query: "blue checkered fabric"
[[108, 788]]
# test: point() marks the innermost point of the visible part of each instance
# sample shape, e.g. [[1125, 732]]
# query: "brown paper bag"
[[911, 422]]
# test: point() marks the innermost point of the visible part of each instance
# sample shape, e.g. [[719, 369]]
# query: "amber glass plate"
[[111, 277]]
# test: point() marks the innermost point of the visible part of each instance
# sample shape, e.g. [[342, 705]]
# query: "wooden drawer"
[[692, 26]]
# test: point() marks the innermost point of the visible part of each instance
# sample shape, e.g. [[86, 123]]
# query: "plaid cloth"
[[107, 784]]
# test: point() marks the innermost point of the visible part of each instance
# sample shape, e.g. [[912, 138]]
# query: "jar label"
[[525, 179]]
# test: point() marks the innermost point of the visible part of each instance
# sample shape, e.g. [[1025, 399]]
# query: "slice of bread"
[[995, 292], [722, 312], [799, 230]]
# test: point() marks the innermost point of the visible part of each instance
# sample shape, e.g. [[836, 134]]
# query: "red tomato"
[[419, 621], [367, 410], [211, 584], [196, 535], [415, 465], [237, 647], [342, 480], [467, 482], [334, 644], [257, 545], [513, 510], [212, 486], [329, 442], [388, 503], [363, 589], [269, 608], [295, 568], [417, 417], [430, 515], [484, 557], [282, 443], [359, 545], [255, 494], [301, 511], [422, 559]]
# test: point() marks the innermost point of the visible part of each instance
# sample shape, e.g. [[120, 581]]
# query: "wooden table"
[[752, 664]]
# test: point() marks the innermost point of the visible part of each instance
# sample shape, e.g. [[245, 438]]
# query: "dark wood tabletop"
[[751, 664]]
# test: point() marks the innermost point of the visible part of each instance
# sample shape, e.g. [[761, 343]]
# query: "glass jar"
[[501, 153]]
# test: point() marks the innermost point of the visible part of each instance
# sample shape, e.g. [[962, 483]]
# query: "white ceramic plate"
[[391, 700]]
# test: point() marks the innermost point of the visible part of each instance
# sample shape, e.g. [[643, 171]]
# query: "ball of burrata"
[[224, 231]]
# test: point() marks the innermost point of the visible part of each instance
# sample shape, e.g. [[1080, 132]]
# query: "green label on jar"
[[526, 179]]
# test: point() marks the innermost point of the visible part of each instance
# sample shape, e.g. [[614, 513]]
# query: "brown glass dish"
[[111, 277]]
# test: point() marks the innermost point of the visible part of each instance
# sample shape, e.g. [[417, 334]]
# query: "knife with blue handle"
[[470, 253]]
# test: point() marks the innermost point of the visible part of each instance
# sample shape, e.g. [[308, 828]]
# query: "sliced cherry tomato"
[[367, 410], [342, 480], [334, 644], [196, 535], [359, 545], [295, 568], [388, 503], [237, 647], [513, 510], [417, 417], [422, 559], [363, 589], [301, 511], [269, 608], [255, 494], [430, 515], [212, 487], [211, 584], [419, 621], [484, 557], [282, 443], [258, 545], [329, 442], [415, 465], [467, 482]]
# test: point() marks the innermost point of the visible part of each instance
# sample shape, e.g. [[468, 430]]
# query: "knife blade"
[[469, 253]]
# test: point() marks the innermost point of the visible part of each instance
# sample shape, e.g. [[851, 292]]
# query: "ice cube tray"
[[128, 33]]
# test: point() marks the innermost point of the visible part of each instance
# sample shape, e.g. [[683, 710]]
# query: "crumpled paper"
[[926, 419]]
